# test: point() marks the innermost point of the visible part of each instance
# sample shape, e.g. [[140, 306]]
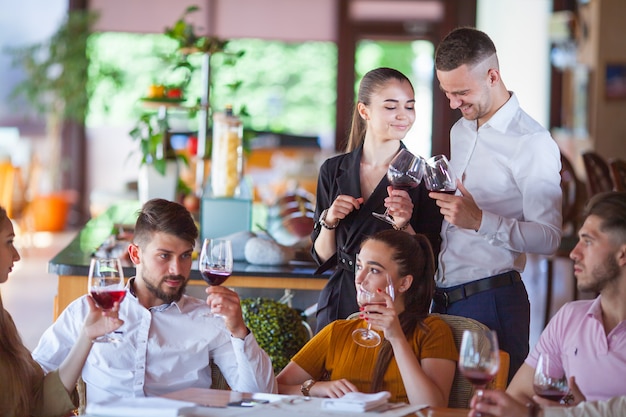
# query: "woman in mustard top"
[[416, 360], [24, 389]]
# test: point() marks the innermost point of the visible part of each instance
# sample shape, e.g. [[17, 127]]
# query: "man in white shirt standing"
[[168, 337], [508, 201]]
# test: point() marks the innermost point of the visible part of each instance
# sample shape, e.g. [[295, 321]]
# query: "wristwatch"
[[306, 387], [323, 221]]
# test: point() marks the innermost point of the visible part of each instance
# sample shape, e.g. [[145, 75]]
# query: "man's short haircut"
[[464, 45], [159, 215], [610, 207]]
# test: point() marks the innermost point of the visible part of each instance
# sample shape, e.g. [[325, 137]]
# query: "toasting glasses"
[[438, 175], [404, 173]]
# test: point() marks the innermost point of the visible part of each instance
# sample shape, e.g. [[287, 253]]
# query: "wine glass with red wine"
[[405, 172], [550, 381], [439, 176], [216, 261], [366, 337], [479, 357], [106, 286]]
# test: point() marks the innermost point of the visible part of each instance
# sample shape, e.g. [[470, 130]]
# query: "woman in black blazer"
[[353, 185]]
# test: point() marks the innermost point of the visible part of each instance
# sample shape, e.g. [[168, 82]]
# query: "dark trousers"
[[505, 310]]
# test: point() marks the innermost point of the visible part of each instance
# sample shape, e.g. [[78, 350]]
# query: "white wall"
[[519, 28]]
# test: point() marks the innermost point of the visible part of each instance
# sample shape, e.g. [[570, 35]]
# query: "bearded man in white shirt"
[[508, 201], [168, 337]]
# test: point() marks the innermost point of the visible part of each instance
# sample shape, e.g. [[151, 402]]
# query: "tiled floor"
[[29, 293]]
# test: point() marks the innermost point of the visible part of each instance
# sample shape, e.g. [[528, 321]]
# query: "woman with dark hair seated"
[[416, 360]]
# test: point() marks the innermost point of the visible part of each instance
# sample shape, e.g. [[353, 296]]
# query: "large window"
[[285, 87]]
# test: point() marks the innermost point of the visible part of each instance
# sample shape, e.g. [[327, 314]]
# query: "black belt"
[[445, 297]]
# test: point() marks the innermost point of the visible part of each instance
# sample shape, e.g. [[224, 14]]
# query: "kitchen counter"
[[72, 263]]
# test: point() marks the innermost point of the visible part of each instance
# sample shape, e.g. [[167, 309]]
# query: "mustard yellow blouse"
[[332, 350]]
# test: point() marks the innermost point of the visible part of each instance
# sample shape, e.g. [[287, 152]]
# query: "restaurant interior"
[[564, 59]]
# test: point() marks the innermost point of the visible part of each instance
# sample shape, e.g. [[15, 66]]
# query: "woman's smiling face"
[[391, 111]]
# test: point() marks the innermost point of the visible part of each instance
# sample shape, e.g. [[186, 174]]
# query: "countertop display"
[[72, 263]]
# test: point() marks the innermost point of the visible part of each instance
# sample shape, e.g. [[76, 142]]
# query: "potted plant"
[[158, 170], [152, 130]]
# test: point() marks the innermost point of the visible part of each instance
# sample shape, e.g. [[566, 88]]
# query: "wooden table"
[[71, 265]]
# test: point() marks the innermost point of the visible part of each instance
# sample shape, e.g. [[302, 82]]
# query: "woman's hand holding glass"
[[378, 311], [405, 172]]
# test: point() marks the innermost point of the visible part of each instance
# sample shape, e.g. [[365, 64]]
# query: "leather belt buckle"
[[442, 297]]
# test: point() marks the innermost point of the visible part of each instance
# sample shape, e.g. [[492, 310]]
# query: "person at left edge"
[[354, 184], [168, 337]]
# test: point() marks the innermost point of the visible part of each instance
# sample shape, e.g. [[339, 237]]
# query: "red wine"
[[552, 394], [214, 277], [450, 192], [478, 378], [404, 183], [377, 303], [106, 299]]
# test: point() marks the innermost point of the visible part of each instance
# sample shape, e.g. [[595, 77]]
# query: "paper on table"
[[140, 407], [356, 401]]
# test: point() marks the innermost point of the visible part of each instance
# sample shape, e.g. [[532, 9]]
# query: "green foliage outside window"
[[285, 87]]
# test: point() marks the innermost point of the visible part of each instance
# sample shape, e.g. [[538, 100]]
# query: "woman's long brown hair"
[[15, 361], [414, 256]]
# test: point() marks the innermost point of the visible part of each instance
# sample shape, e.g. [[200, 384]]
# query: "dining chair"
[[462, 390], [573, 199], [598, 174], [618, 173]]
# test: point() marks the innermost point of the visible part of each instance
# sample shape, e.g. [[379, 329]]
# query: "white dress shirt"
[[511, 167], [163, 349]]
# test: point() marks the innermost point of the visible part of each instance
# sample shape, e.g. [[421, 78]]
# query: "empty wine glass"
[[367, 337], [550, 381], [439, 176], [479, 357], [405, 172], [106, 286]]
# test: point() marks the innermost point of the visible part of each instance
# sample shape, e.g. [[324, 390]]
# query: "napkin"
[[356, 401], [140, 407]]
